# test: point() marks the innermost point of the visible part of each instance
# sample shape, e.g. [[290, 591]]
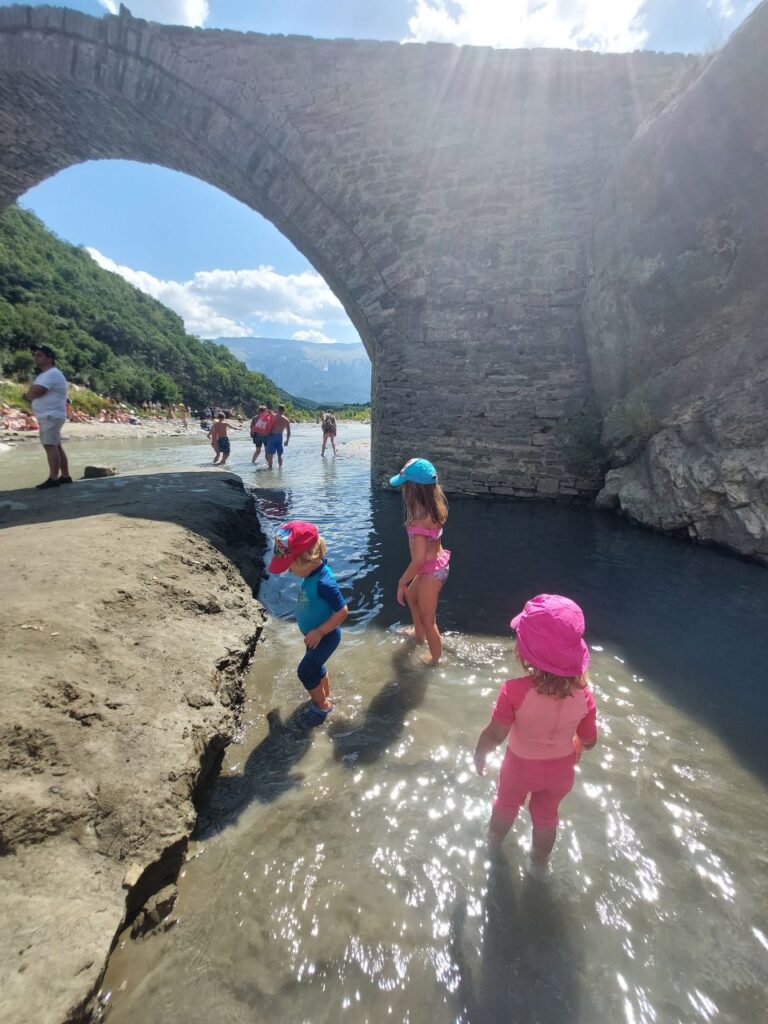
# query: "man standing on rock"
[[48, 396], [275, 440]]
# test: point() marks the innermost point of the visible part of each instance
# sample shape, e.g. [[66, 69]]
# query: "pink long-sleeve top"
[[542, 726]]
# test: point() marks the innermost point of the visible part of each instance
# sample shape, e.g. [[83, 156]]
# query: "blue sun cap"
[[418, 471]]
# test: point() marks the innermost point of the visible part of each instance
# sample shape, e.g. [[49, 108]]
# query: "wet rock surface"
[[123, 652]]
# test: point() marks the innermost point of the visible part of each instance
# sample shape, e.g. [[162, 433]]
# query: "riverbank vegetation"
[[110, 337]]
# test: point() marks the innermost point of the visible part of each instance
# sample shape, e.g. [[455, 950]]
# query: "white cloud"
[[233, 303], [316, 336], [301, 299], [723, 8], [608, 25], [169, 12]]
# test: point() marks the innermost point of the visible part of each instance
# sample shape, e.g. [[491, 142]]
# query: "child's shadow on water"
[[364, 739], [266, 775], [531, 960]]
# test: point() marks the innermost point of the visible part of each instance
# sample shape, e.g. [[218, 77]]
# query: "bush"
[[87, 401], [631, 419], [22, 365], [13, 394], [583, 448]]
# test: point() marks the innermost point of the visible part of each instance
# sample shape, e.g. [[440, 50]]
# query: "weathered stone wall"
[[446, 194], [676, 313]]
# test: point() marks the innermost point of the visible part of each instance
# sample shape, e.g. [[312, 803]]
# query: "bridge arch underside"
[[445, 194]]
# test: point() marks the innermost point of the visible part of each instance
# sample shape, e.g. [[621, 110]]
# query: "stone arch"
[[109, 90], [445, 194]]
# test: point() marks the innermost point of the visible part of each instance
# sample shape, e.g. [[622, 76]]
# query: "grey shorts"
[[50, 429]]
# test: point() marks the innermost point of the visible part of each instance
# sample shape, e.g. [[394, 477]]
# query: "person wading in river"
[[260, 427], [328, 424], [48, 396], [219, 439], [280, 424]]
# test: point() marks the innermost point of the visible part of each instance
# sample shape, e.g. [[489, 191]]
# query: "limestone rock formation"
[[676, 313], [100, 753]]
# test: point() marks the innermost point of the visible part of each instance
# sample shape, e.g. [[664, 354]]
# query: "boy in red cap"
[[549, 716], [320, 611]]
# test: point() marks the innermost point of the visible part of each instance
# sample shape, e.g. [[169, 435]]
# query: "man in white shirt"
[[48, 396]]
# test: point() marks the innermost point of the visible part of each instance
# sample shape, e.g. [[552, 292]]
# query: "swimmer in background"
[[426, 511], [219, 439], [279, 425], [549, 716]]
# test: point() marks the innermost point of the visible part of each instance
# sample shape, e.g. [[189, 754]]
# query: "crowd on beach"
[[14, 419]]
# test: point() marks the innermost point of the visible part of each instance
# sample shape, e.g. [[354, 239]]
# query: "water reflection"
[[267, 774], [368, 736], [530, 958]]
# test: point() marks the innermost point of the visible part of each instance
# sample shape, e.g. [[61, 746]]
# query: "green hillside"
[[109, 336]]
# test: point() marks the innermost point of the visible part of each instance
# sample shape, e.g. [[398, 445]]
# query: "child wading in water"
[[426, 510], [219, 439], [549, 715], [320, 611]]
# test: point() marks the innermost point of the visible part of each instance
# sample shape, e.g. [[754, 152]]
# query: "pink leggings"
[[548, 781]]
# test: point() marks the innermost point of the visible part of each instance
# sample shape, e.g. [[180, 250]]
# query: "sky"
[[226, 270]]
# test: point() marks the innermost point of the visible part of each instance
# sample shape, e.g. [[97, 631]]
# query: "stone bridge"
[[447, 195]]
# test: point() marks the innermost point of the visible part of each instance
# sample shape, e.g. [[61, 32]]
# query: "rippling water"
[[343, 874]]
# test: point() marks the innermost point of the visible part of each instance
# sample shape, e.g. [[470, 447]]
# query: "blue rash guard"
[[319, 598]]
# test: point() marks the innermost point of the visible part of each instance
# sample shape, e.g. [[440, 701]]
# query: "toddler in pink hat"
[[549, 716]]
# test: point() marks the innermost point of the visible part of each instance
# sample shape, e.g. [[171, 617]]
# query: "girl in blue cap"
[[426, 510]]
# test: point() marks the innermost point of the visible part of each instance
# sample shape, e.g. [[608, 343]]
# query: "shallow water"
[[342, 874]]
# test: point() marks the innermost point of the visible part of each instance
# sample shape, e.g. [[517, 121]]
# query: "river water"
[[343, 875]]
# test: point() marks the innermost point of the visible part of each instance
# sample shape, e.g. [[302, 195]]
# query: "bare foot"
[[410, 633], [539, 870], [426, 659]]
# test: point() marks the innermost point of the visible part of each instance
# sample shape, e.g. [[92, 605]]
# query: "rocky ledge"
[[127, 625]]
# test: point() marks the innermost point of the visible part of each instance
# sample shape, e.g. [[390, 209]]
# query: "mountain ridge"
[[326, 374]]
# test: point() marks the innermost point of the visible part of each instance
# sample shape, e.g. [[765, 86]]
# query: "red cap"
[[549, 635], [291, 540]]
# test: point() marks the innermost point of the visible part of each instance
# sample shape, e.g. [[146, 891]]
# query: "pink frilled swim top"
[[543, 726], [431, 533]]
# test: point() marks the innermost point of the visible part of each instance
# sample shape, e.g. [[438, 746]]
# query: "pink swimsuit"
[[437, 567], [540, 755]]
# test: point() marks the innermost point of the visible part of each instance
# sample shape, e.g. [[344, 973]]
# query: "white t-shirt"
[[54, 401]]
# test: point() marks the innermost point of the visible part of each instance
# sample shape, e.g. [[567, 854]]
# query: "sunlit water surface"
[[343, 875]]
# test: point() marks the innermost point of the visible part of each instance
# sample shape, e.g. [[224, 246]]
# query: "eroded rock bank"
[[125, 632]]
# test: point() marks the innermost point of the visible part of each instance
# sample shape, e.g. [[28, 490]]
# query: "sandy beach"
[[96, 431], [125, 639]]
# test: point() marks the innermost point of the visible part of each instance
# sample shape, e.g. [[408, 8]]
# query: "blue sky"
[[228, 271]]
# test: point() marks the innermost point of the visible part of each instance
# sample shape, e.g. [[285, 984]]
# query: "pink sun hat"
[[550, 635]]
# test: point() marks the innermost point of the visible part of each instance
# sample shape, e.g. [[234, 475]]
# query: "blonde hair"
[[550, 684], [424, 501], [313, 555]]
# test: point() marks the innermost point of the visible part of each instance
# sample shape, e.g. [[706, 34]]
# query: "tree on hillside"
[[109, 336]]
